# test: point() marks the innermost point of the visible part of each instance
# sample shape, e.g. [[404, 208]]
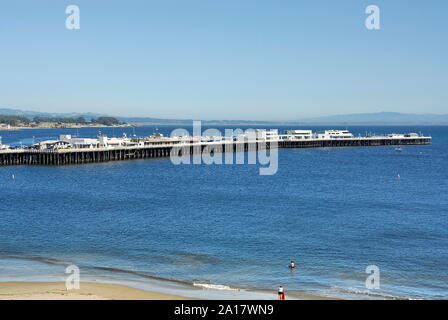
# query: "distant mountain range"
[[32, 114], [379, 118]]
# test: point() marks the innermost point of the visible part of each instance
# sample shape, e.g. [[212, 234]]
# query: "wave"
[[367, 293], [50, 261], [56, 262], [333, 292], [139, 274], [216, 286], [197, 283]]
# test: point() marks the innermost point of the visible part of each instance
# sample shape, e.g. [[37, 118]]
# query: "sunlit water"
[[334, 211]]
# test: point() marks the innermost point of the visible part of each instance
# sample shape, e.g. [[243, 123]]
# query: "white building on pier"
[[335, 134], [80, 143], [299, 134]]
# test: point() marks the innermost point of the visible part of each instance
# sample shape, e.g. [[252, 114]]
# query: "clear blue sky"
[[227, 59]]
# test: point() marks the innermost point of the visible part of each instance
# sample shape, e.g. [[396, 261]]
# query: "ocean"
[[219, 228]]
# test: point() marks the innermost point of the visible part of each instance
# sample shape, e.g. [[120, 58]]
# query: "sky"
[[228, 59]]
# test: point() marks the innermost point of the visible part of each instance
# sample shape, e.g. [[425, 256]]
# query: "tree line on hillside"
[[13, 120], [21, 120]]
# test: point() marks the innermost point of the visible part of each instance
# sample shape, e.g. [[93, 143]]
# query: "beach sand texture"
[[87, 291]]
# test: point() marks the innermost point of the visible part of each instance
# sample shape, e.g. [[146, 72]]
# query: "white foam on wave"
[[215, 286], [353, 292]]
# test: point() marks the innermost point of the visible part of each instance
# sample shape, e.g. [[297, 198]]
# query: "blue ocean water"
[[333, 211]]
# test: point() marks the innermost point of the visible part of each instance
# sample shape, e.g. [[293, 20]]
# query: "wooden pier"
[[94, 155]]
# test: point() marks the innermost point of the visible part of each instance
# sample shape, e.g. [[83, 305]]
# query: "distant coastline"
[[356, 119], [18, 122], [66, 126]]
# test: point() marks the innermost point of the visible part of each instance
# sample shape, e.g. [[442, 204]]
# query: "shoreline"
[[44, 278], [69, 127], [119, 290], [31, 279]]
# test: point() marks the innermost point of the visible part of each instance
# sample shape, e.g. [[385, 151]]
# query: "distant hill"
[[379, 118], [88, 116], [137, 120], [32, 114]]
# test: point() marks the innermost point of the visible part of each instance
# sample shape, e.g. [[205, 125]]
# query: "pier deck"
[[92, 155]]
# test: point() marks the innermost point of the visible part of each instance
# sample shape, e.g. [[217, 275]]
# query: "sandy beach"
[[103, 291], [87, 291]]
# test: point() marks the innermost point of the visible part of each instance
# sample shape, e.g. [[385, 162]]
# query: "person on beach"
[[281, 293]]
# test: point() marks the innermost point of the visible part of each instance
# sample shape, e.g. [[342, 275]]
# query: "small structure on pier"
[[309, 134], [299, 134], [80, 143], [335, 134], [50, 145], [256, 135]]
